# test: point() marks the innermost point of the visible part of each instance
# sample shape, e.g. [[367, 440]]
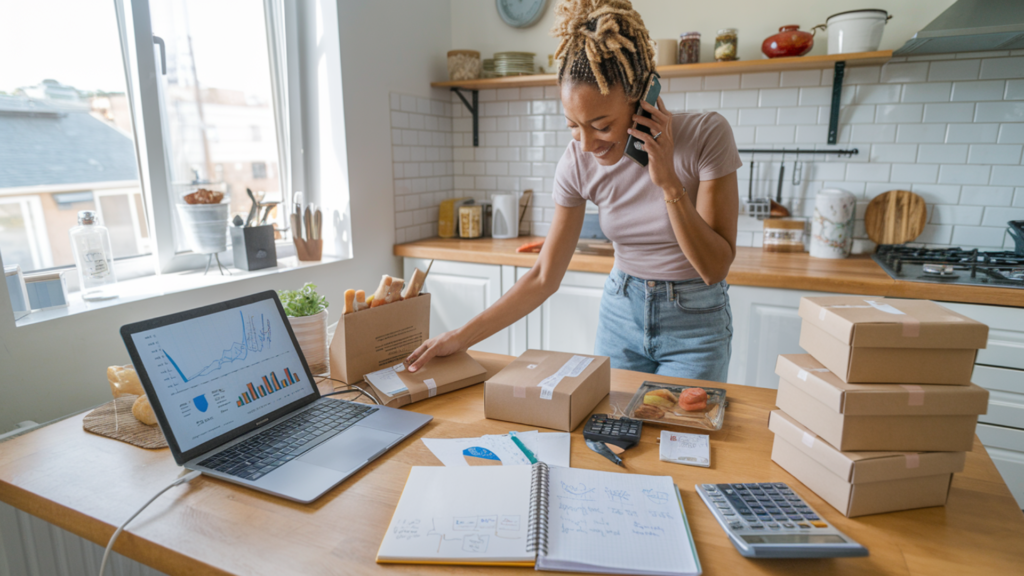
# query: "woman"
[[665, 309]]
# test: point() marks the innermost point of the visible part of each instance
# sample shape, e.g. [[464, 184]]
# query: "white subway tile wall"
[[948, 127]]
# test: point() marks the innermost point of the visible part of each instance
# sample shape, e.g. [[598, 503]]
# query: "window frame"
[[142, 61]]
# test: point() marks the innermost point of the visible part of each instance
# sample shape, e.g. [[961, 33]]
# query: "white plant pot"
[[856, 31], [832, 225], [205, 226], [311, 332]]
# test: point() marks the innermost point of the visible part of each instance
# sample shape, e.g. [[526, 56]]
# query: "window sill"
[[154, 286]]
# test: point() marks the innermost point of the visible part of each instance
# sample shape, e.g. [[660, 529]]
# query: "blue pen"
[[526, 451]]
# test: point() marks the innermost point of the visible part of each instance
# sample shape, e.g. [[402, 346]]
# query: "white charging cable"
[[182, 480]]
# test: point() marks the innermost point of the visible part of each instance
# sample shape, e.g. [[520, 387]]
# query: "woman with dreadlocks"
[[665, 309]]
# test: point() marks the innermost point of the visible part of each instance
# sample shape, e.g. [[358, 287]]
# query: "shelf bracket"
[[837, 92], [474, 109]]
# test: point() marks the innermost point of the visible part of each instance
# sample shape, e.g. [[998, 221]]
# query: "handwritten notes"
[[463, 515], [688, 449], [620, 522]]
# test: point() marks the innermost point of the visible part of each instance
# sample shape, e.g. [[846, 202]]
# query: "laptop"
[[235, 400]]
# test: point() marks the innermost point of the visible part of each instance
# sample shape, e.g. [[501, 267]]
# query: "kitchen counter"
[[752, 267]]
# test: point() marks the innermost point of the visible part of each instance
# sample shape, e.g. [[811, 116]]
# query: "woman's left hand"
[[660, 150]]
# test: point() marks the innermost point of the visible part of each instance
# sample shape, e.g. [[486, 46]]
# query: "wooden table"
[[752, 267], [88, 485]]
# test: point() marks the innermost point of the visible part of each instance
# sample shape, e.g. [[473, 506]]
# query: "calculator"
[[622, 432], [768, 520]]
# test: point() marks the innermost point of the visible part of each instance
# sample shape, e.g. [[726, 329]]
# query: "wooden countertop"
[[752, 267], [88, 485]]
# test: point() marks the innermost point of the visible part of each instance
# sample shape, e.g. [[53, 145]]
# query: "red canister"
[[790, 41]]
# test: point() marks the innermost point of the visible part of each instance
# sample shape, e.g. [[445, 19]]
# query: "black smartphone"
[[635, 146]]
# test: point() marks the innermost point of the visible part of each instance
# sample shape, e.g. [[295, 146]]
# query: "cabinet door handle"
[[163, 54]]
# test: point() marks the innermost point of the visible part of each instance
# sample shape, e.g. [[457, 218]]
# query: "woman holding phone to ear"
[[665, 308]]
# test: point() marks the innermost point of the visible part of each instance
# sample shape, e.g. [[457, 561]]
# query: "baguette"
[[382, 292], [360, 303], [415, 285], [394, 291], [350, 296]]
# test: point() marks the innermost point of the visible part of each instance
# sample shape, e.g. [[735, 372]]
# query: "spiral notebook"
[[553, 518]]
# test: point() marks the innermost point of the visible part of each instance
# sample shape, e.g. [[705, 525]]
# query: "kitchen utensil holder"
[[253, 247], [309, 250]]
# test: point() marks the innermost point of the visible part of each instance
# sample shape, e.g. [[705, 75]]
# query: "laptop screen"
[[220, 371]]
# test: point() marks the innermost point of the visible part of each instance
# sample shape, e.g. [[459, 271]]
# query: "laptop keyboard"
[[264, 452]]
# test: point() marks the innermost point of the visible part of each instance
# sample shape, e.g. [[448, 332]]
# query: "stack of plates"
[[513, 63]]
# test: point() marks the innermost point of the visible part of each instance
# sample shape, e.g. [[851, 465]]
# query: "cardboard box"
[[860, 483], [549, 389], [863, 339], [376, 338], [441, 375], [878, 416]]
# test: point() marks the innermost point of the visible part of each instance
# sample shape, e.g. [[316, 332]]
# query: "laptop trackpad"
[[350, 449]]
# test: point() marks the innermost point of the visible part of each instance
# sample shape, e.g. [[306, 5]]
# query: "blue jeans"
[[681, 329]]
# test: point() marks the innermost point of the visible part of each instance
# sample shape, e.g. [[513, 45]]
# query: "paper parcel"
[[556, 390], [378, 338], [859, 483], [878, 416], [396, 386], [863, 339]]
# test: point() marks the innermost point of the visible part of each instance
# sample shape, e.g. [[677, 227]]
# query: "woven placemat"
[[114, 420]]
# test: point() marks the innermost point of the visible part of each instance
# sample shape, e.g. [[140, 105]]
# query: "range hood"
[[971, 26]]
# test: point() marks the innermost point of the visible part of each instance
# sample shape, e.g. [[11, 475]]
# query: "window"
[[64, 131], [203, 107]]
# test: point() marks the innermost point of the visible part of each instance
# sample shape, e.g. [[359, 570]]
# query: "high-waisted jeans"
[[681, 329]]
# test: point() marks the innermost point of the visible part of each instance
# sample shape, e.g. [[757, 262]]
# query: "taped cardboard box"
[[860, 483], [863, 339], [878, 416], [378, 338], [441, 375], [556, 390]]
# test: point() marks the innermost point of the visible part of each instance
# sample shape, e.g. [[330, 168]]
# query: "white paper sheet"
[[551, 448], [453, 451], [387, 380], [688, 449]]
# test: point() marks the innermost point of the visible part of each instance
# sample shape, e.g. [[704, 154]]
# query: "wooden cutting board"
[[895, 217]]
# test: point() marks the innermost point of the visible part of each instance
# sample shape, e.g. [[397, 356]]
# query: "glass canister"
[[726, 45], [689, 48], [784, 235], [463, 65]]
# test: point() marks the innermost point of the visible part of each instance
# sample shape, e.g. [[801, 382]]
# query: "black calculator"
[[622, 432], [769, 520]]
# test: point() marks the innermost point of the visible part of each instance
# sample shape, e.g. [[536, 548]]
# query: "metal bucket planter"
[[206, 229]]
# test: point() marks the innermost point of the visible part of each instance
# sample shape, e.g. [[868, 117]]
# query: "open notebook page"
[[616, 524], [461, 515]]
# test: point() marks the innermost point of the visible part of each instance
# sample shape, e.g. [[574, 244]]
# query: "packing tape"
[[519, 392], [911, 326], [913, 460], [915, 394], [431, 387], [808, 440], [802, 374], [399, 368], [573, 368]]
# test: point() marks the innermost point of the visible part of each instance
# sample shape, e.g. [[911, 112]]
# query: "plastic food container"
[[784, 235], [711, 418], [463, 65]]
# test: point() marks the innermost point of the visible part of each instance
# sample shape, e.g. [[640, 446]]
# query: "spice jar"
[[689, 48], [784, 235], [725, 45], [463, 65]]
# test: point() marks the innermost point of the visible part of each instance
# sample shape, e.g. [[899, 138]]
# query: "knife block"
[[309, 250]]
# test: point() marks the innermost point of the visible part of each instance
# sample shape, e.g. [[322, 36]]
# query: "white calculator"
[[768, 520]]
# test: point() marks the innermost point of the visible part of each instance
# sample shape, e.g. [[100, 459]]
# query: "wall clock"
[[520, 13]]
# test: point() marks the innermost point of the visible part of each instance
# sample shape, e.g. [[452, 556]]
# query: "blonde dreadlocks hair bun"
[[603, 42]]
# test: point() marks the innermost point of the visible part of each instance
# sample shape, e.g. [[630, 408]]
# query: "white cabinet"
[[567, 321], [459, 291]]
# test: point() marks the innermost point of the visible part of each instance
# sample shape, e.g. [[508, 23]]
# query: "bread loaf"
[[123, 380], [143, 412]]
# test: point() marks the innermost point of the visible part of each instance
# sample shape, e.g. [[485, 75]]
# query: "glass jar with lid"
[[689, 48], [726, 45]]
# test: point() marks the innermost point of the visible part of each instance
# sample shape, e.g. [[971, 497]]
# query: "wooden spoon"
[[895, 217]]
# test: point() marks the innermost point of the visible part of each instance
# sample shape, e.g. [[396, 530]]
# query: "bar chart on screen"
[[266, 387]]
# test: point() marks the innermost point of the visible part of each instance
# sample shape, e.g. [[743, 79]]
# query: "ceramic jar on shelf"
[[832, 225], [790, 41]]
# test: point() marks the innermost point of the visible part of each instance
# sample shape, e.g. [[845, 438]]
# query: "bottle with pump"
[[94, 258]]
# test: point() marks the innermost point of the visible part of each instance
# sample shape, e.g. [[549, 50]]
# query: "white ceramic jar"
[[832, 225], [311, 332], [856, 31]]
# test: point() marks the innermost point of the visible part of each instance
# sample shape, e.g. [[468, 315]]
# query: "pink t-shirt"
[[633, 211]]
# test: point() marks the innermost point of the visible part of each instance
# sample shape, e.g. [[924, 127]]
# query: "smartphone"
[[635, 146]]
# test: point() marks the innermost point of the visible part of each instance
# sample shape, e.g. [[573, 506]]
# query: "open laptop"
[[235, 399]]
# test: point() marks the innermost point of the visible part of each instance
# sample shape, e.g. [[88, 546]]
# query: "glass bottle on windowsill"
[[94, 258]]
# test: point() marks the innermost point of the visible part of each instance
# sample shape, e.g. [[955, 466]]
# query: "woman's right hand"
[[442, 345]]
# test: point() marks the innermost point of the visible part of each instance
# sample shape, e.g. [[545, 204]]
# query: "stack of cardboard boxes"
[[882, 412]]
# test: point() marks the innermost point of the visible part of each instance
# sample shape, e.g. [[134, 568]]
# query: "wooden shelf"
[[702, 69]]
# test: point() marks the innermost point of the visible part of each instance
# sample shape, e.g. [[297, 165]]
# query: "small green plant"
[[302, 302]]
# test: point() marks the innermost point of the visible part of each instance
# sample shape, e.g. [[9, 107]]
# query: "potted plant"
[[307, 313]]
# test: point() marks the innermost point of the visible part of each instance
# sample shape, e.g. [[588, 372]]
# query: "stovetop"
[[952, 266]]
